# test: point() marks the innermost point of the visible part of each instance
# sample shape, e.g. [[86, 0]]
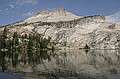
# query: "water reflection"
[[2, 60], [77, 64], [31, 57]]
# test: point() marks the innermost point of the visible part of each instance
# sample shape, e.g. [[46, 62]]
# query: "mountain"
[[56, 15], [69, 31], [114, 17]]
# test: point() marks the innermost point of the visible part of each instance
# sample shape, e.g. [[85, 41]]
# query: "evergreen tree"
[[30, 42], [15, 41], [86, 47], [3, 38]]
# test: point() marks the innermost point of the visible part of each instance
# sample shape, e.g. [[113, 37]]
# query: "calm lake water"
[[69, 64]]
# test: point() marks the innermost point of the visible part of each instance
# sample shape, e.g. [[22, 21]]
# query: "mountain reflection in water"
[[76, 64]]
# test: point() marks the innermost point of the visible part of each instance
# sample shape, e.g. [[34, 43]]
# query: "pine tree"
[[15, 40], [86, 47], [3, 38]]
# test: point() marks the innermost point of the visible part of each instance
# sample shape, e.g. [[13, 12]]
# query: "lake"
[[59, 64]]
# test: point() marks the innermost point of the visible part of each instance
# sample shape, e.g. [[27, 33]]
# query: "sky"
[[15, 10]]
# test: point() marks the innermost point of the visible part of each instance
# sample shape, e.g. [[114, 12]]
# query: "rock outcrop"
[[56, 15]]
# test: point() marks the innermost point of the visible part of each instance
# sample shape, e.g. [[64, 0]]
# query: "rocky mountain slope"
[[70, 31], [114, 17], [56, 15]]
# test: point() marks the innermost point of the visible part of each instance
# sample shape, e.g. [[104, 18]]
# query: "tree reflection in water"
[[31, 57], [2, 61], [66, 64]]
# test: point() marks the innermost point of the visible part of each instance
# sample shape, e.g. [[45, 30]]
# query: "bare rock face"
[[60, 12], [43, 12], [71, 31], [56, 15], [56, 12]]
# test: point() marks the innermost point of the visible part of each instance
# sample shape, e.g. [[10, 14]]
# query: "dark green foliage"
[[24, 42], [3, 39], [86, 47], [15, 40]]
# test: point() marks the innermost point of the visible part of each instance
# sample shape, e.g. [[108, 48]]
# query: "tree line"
[[24, 42]]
